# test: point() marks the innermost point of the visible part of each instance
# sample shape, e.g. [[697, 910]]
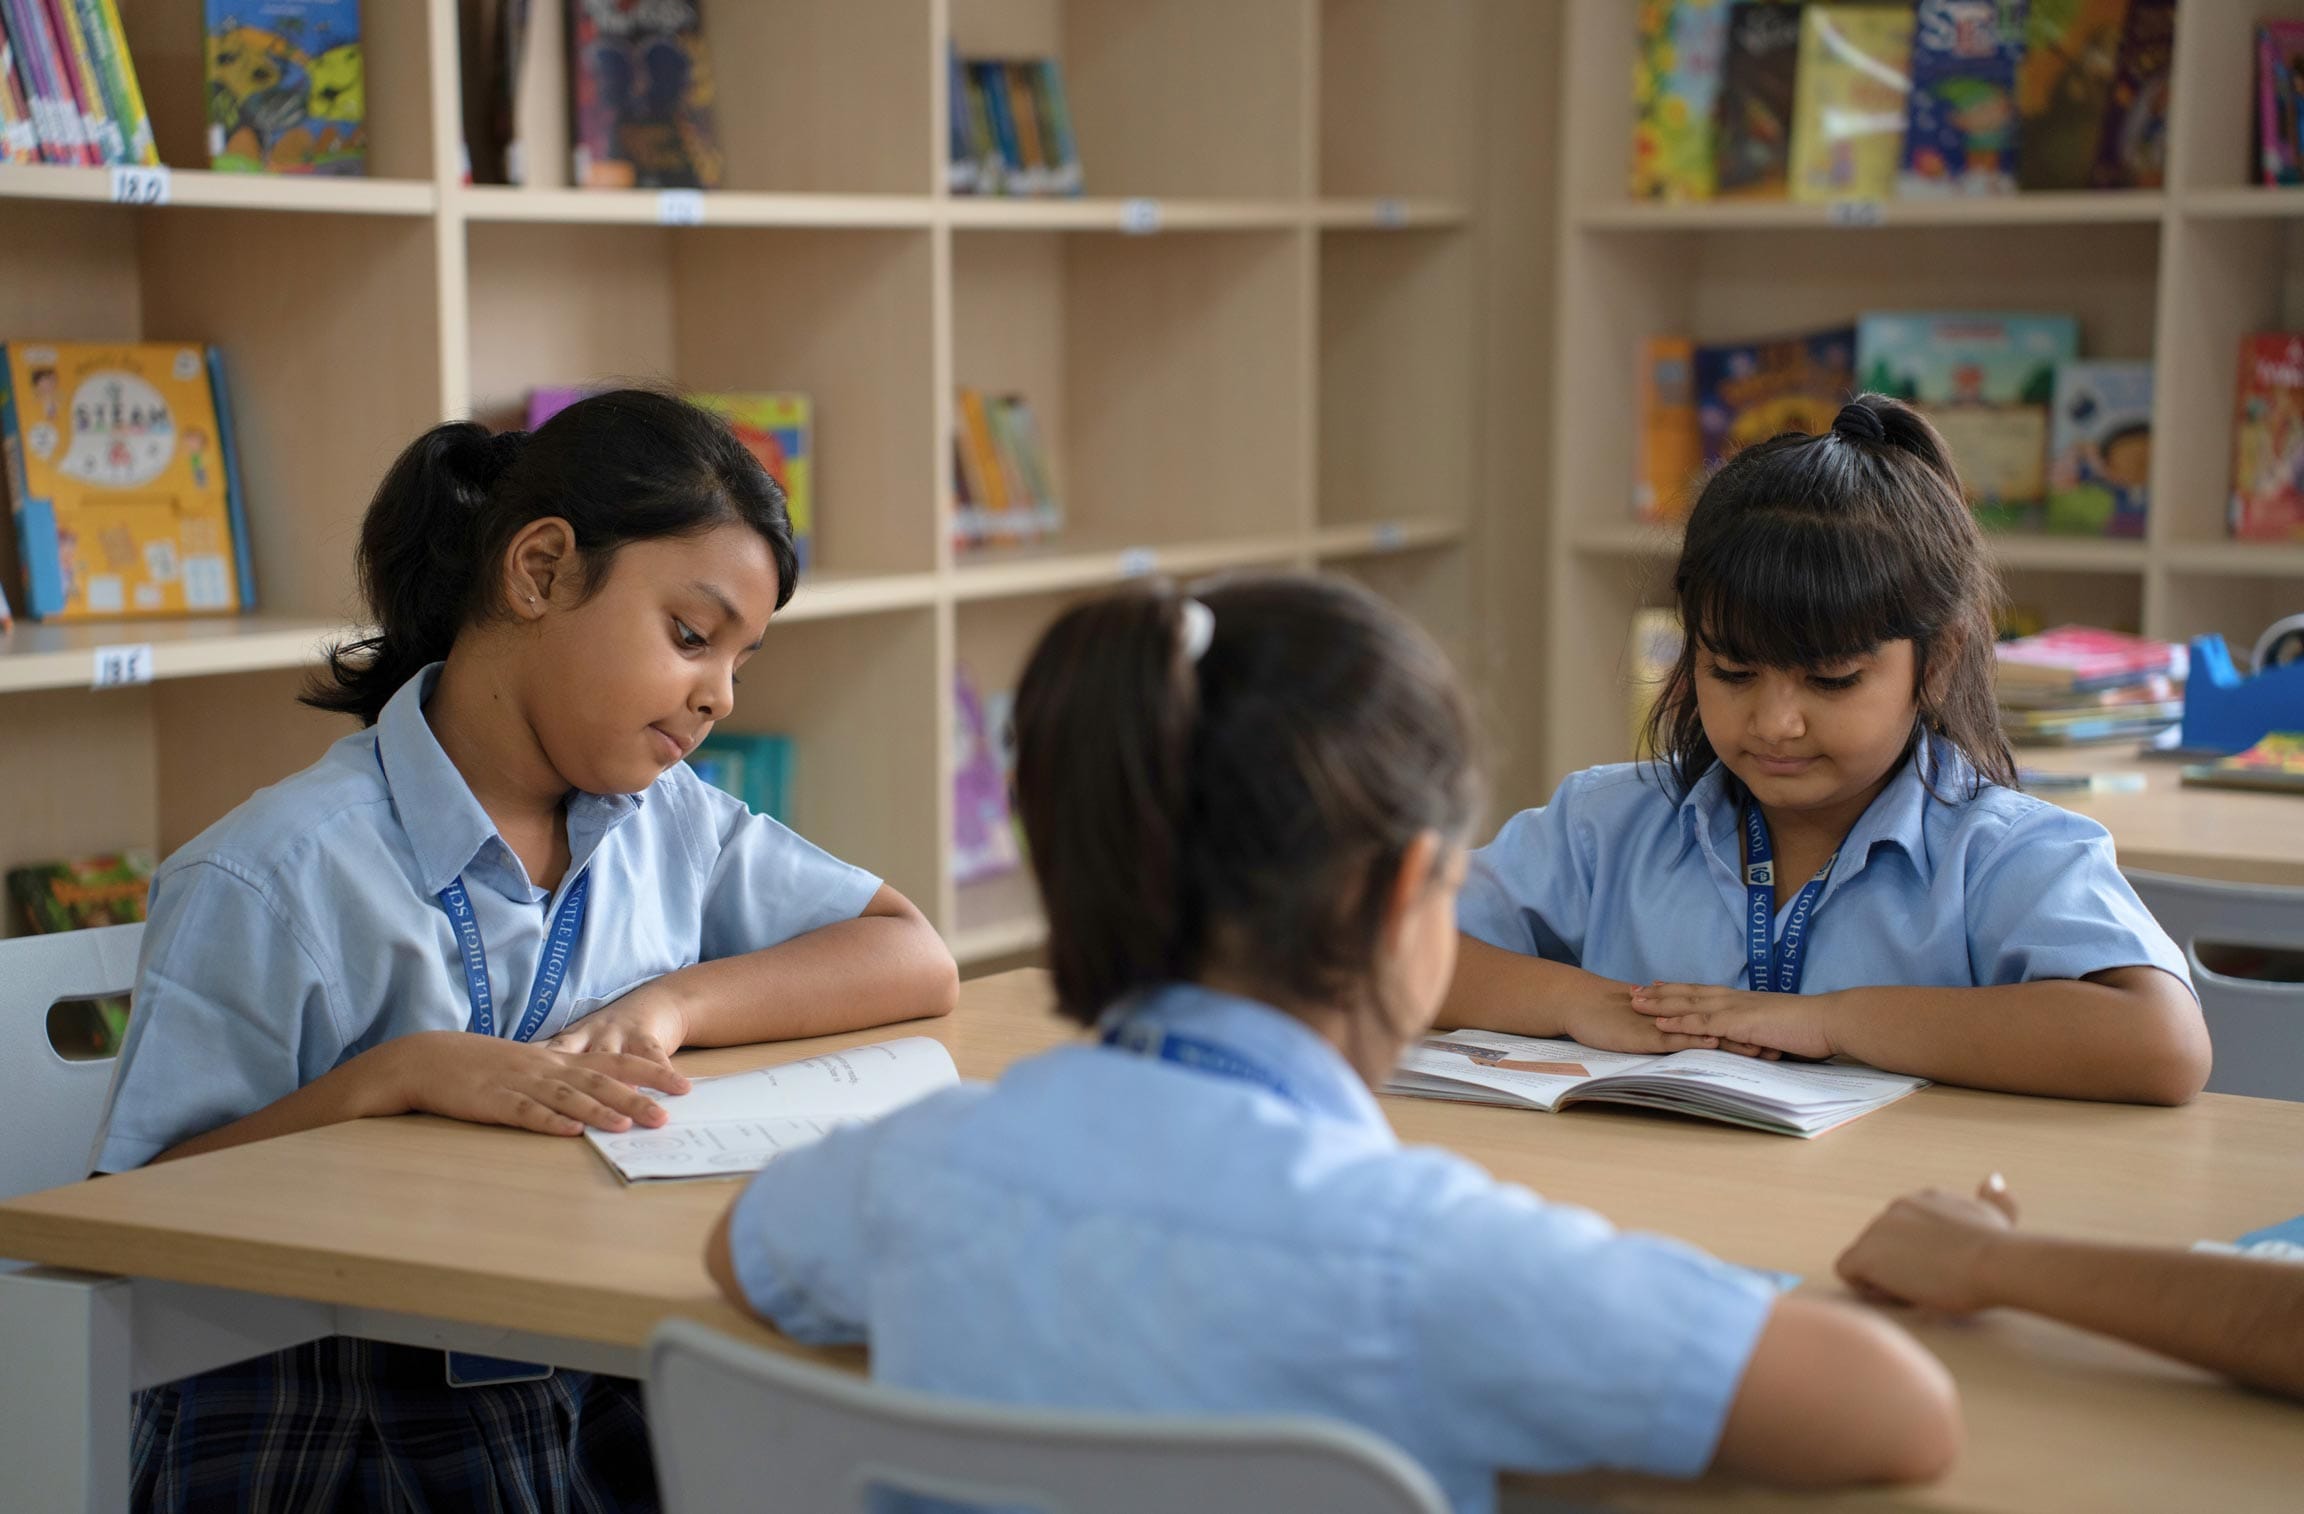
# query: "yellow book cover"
[[116, 468], [1855, 88], [777, 429], [978, 429], [1671, 458], [1649, 658]]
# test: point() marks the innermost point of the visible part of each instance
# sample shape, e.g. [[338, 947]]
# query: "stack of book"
[[2078, 684], [1011, 130], [1004, 488], [68, 90]]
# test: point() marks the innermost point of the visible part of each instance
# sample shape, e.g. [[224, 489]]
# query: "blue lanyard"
[[551, 972], [1775, 969], [1145, 1039]]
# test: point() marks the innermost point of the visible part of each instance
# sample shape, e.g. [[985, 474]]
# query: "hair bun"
[[1859, 422]]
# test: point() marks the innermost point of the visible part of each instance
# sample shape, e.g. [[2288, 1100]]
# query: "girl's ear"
[[539, 560], [1419, 871]]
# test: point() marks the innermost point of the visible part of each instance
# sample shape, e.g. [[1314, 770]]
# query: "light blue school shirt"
[[1618, 877], [1109, 1231], [305, 927]]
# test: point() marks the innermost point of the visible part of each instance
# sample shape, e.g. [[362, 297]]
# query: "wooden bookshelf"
[[1255, 342], [2178, 275]]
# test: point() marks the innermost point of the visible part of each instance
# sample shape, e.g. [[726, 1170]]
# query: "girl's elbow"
[[941, 991], [1933, 1431], [2178, 1055]]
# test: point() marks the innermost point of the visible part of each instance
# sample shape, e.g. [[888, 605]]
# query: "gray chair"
[[2257, 1027], [56, 1104], [738, 1428]]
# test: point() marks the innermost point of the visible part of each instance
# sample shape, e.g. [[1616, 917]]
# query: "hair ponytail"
[[619, 467], [1253, 803]]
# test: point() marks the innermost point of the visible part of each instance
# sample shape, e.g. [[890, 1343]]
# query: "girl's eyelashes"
[[685, 634], [1834, 683], [1727, 675]]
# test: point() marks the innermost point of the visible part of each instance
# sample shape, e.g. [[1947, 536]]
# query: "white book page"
[[1508, 1069], [1780, 1085]]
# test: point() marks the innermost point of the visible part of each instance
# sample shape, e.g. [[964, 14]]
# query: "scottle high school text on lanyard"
[[551, 970], [1775, 968]]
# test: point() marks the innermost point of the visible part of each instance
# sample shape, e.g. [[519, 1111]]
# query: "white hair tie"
[[1199, 629]]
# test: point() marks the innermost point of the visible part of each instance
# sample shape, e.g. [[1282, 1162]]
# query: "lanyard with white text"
[[551, 972], [1146, 1039], [1775, 969]]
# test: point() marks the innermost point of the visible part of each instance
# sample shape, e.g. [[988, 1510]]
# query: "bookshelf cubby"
[[1254, 341], [2178, 275]]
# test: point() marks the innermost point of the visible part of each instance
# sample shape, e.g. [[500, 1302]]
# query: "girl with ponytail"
[[1247, 812], [504, 899], [1826, 854]]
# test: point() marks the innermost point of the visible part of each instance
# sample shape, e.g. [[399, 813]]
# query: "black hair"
[[627, 465], [1249, 809], [1807, 550]]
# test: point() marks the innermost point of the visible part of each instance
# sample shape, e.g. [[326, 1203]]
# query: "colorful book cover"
[[2280, 102], [1048, 506], [643, 96], [778, 429], [1759, 72], [1960, 132], [1671, 455], [961, 154], [990, 169], [118, 480], [19, 137], [1056, 121], [1987, 381], [2084, 659], [1024, 111], [123, 95], [983, 841], [2268, 444], [88, 89], [287, 87], [2100, 448], [984, 471], [2132, 152], [1675, 89], [82, 894], [55, 112], [2275, 763], [2071, 55], [1747, 392], [1855, 88], [756, 768], [992, 85]]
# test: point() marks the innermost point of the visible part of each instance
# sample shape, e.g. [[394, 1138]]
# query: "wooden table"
[[2226, 834], [424, 1230]]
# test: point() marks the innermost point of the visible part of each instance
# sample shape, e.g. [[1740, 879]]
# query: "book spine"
[[1029, 150], [1024, 516], [36, 546], [109, 40], [1050, 509], [995, 86], [993, 495], [960, 168], [980, 134], [102, 136], [19, 138], [243, 550], [58, 128], [967, 521], [1058, 118]]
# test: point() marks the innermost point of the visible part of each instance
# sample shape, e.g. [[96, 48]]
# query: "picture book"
[[1854, 90], [2064, 88], [983, 841], [2100, 448], [1781, 1098], [2280, 102], [77, 895], [286, 87], [2132, 151], [756, 768], [1987, 381], [118, 480], [1960, 129], [1650, 657], [778, 429], [2276, 764], [1675, 88], [2084, 659], [735, 1124], [124, 98], [1747, 392], [641, 88], [2268, 440], [1670, 463], [1759, 71]]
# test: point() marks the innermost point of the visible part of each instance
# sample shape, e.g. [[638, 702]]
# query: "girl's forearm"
[[372, 1083], [1512, 992], [872, 970]]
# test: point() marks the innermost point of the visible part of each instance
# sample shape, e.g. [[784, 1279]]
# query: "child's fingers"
[[590, 1104], [522, 1112], [615, 1094], [636, 1071], [1994, 1191]]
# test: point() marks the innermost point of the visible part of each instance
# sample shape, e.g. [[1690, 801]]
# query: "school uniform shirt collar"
[[1315, 1074], [450, 834], [1897, 816]]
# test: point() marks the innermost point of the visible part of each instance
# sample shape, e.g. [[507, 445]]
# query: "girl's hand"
[[1605, 1021], [1768, 1025], [647, 1022], [529, 1087], [1929, 1248]]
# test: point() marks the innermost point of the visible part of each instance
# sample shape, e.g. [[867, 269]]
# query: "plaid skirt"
[[352, 1424]]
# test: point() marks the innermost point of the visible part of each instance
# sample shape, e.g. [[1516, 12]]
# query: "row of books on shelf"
[[1003, 479], [638, 85], [284, 86], [1011, 128], [1824, 102]]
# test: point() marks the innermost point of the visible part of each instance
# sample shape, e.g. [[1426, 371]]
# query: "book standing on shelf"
[[1671, 457], [641, 96], [1004, 488], [19, 137], [2280, 102], [1759, 76], [2132, 148], [1960, 128], [107, 43], [1853, 94], [1747, 392], [755, 767], [1011, 128], [1675, 89], [2268, 440], [287, 88], [2100, 448], [983, 838], [55, 109], [778, 429], [2071, 55], [1986, 381]]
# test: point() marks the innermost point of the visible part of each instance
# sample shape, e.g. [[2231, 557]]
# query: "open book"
[[1786, 1098], [735, 1124]]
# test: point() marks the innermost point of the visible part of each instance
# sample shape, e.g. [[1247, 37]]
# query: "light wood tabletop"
[[2225, 834], [529, 1232]]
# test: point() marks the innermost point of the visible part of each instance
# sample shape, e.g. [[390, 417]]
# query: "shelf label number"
[[680, 207], [1389, 537], [123, 666], [134, 184], [1139, 562], [1856, 213], [1391, 214], [1140, 218]]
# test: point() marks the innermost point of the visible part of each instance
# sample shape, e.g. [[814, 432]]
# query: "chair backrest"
[[55, 1104], [735, 1427], [2257, 1027]]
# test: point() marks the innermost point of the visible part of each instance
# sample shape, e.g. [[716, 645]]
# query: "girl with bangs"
[[1828, 856]]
